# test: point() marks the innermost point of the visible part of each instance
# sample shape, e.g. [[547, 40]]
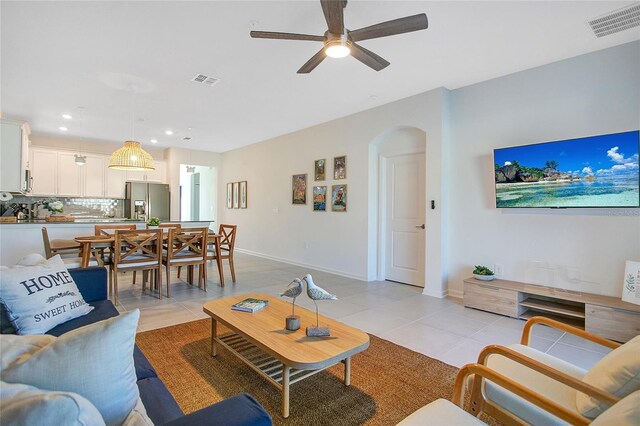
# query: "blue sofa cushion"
[[92, 282], [102, 310], [160, 405], [239, 410]]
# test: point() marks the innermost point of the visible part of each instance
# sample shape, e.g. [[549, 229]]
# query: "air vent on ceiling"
[[616, 21], [205, 79], [186, 138]]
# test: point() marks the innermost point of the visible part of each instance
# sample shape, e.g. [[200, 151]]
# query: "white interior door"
[[405, 234]]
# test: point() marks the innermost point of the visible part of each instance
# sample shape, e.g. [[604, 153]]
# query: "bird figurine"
[[317, 293], [293, 290]]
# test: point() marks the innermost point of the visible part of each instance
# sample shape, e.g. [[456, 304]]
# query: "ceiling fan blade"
[[389, 28], [285, 36], [313, 62], [368, 58], [333, 14]]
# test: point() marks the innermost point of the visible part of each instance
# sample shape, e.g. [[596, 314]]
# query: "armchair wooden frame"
[[481, 403], [481, 372], [187, 240]]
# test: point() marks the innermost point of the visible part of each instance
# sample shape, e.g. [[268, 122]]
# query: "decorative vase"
[[484, 277]]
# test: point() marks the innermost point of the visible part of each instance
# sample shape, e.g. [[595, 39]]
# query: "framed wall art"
[[339, 198], [243, 194], [229, 195], [340, 167], [235, 195], [299, 189], [318, 169], [319, 198]]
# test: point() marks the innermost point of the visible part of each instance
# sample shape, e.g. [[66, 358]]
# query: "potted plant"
[[153, 222], [483, 273]]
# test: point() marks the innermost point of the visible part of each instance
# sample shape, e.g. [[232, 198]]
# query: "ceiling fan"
[[340, 42]]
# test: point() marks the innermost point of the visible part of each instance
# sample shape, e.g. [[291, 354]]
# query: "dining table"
[[90, 242]]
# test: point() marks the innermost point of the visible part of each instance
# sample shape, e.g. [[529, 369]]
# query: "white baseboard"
[[441, 295], [304, 265]]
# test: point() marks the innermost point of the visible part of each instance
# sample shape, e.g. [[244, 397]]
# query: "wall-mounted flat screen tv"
[[596, 171]]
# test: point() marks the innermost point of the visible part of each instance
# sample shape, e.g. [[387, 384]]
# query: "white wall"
[[344, 243], [579, 249], [88, 146]]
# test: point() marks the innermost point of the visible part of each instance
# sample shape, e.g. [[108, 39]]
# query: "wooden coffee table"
[[283, 357]]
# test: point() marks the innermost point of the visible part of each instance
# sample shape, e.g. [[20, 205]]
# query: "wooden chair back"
[[129, 244], [193, 240], [227, 238], [102, 229], [47, 244]]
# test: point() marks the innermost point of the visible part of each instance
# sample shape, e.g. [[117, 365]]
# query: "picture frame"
[[319, 198], [235, 195], [319, 168], [230, 195], [339, 198], [243, 194], [340, 167], [299, 189]]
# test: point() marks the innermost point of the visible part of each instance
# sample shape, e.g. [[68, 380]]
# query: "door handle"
[[420, 226]]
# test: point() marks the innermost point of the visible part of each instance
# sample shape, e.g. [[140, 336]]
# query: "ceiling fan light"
[[337, 49]]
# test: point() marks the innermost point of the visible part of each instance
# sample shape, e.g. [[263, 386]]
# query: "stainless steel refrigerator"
[[147, 200]]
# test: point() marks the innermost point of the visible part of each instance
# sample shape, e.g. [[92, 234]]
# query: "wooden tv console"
[[606, 316]]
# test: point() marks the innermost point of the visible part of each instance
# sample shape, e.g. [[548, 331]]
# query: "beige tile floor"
[[439, 328]]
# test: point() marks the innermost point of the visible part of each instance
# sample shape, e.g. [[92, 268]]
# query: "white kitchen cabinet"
[[14, 156], [44, 165], [157, 176], [114, 182], [69, 176], [94, 176]]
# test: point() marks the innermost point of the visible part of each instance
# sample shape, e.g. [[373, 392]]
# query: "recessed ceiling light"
[[168, 132], [154, 140], [64, 129], [66, 116]]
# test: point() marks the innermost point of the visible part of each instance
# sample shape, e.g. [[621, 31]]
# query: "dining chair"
[[58, 246], [585, 392], [106, 250], [227, 245], [213, 253], [67, 249], [137, 250], [186, 247]]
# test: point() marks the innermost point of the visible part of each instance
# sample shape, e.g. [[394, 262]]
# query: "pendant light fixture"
[[131, 156], [80, 160]]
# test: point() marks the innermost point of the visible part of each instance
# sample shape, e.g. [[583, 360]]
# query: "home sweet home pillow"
[[39, 297]]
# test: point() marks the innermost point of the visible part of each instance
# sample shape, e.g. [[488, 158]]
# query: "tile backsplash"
[[89, 208]]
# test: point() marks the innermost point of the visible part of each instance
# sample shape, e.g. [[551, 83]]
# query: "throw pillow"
[[25, 405], [617, 373], [625, 412], [39, 297], [5, 322], [14, 348], [95, 361]]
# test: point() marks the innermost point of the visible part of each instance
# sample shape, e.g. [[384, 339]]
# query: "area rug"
[[388, 382]]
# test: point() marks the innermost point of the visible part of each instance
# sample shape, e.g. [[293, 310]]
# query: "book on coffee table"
[[250, 305]]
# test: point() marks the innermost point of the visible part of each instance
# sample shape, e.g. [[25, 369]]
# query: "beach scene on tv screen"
[[597, 171]]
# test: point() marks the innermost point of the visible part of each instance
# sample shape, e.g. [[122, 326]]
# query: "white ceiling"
[[58, 56]]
